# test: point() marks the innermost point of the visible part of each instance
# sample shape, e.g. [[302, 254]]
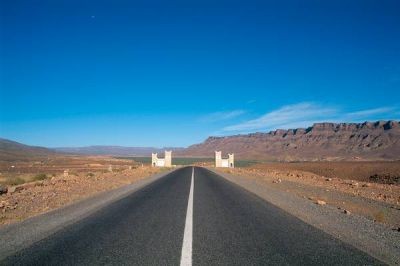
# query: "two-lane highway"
[[190, 216]]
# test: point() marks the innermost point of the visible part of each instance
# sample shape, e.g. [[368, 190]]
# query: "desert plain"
[[368, 188]]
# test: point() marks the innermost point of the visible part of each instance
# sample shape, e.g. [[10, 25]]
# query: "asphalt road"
[[225, 225]]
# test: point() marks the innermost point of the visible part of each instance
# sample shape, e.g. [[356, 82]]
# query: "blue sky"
[[171, 73]]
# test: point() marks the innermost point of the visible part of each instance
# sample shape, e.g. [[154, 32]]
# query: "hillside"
[[14, 151], [322, 141], [114, 150]]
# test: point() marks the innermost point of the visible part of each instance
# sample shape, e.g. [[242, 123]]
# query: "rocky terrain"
[[383, 172], [323, 141], [377, 202], [18, 202], [43, 181]]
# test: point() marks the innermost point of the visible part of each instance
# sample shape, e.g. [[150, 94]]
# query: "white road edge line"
[[186, 257]]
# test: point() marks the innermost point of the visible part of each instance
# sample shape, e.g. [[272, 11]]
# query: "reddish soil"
[[338, 184], [377, 172], [87, 176]]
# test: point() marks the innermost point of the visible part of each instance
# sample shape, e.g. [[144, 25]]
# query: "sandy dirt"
[[33, 198], [378, 202], [345, 185], [18, 172], [387, 172]]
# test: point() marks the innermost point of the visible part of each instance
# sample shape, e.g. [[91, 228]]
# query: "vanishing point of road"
[[191, 216]]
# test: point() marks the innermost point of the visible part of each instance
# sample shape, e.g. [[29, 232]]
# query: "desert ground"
[[30, 188], [370, 189]]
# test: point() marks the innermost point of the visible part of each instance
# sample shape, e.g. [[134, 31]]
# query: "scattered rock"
[[14, 189], [277, 181], [385, 178], [11, 190], [328, 179], [347, 212], [366, 185], [26, 186], [320, 202], [3, 189], [3, 204]]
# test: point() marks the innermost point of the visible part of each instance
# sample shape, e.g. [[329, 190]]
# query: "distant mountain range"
[[12, 151], [115, 150], [323, 141]]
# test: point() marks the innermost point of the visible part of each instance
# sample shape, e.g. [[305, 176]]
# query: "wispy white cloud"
[[305, 114], [284, 116], [370, 112], [221, 116]]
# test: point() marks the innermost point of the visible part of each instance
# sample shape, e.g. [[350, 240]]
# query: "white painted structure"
[[224, 162], [161, 162]]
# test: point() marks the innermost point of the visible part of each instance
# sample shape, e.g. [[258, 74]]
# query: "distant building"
[[228, 162], [161, 162]]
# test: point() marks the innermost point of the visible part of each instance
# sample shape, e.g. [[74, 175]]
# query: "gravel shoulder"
[[377, 239]]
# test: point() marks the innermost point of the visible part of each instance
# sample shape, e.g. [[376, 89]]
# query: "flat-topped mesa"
[[335, 127], [323, 126], [316, 127], [385, 125], [322, 141], [290, 132], [279, 132], [212, 138], [391, 124], [330, 126], [257, 134], [300, 131]]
